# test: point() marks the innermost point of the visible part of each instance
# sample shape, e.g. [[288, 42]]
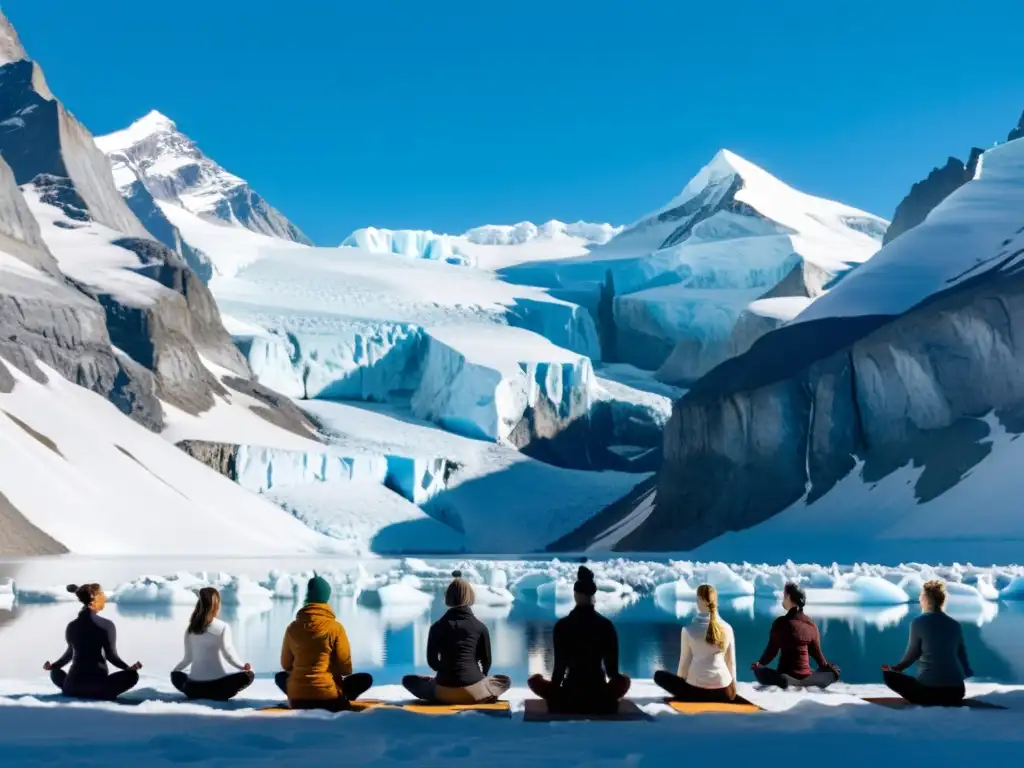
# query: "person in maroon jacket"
[[795, 639]]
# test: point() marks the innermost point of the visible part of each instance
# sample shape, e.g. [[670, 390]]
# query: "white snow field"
[[492, 246], [837, 727], [688, 270], [98, 483]]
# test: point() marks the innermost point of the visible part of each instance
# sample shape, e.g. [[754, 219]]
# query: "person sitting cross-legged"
[[207, 646], [316, 658], [459, 651], [586, 678], [92, 644], [937, 646], [707, 656], [795, 639]]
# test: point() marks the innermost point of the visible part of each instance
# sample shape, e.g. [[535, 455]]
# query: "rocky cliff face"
[[754, 437], [927, 194], [135, 328]]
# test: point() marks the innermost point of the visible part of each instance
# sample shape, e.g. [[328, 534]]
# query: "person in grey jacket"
[[937, 647]]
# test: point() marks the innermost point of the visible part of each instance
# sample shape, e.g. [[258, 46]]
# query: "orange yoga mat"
[[497, 708], [737, 707], [536, 711], [895, 702]]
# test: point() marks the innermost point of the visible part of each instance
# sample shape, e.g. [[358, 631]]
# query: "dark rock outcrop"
[[926, 194]]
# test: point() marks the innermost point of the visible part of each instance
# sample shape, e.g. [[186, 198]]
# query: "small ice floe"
[[283, 586], [528, 583], [673, 592], [243, 591], [151, 590], [7, 587], [1014, 590], [40, 595], [727, 582], [404, 593], [987, 590], [860, 590]]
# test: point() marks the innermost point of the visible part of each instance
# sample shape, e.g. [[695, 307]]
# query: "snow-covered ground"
[[836, 727]]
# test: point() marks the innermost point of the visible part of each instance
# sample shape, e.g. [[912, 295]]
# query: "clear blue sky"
[[450, 114]]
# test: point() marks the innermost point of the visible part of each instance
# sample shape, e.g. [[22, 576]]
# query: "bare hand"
[[47, 666], [137, 666], [886, 668], [247, 668]]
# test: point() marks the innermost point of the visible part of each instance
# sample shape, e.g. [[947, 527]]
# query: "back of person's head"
[[206, 610], [86, 593], [934, 594], [716, 632], [318, 590], [796, 596], [459, 593], [585, 587]]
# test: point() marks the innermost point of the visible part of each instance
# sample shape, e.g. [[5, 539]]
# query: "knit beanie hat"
[[459, 593], [585, 582], [318, 590]]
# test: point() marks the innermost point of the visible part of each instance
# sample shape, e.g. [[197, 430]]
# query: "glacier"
[[491, 246]]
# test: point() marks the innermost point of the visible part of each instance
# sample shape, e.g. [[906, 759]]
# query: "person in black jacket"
[[459, 651], [92, 643], [586, 677]]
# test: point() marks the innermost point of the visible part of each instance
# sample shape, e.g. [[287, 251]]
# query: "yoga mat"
[[494, 708], [536, 711], [894, 702], [737, 707]]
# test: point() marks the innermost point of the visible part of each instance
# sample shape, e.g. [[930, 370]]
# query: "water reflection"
[[391, 642]]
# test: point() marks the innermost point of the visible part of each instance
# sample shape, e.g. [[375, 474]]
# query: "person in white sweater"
[[707, 657], [207, 646]]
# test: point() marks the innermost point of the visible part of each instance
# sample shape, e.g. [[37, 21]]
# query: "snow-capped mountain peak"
[[174, 169], [10, 44], [152, 124]]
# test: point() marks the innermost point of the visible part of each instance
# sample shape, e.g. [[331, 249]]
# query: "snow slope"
[[130, 490], [492, 246], [963, 235], [174, 169], [686, 272]]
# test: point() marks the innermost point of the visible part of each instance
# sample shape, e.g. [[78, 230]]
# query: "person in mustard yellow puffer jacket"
[[316, 657]]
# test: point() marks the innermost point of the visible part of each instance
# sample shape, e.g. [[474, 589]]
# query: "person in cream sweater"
[[707, 656]]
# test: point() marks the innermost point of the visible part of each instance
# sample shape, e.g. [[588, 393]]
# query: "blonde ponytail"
[[716, 632]]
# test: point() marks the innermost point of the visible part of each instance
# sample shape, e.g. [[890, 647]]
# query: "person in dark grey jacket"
[[92, 643], [937, 647], [459, 651]]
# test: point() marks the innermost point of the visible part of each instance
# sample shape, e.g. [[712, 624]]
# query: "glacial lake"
[[391, 642]]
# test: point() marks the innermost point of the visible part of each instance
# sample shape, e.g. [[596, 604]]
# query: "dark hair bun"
[[72, 588], [456, 574], [584, 574]]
